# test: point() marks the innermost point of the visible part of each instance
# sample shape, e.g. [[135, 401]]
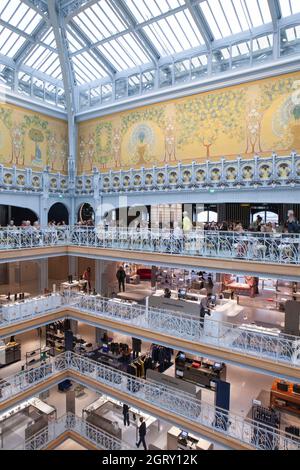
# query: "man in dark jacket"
[[292, 223], [121, 276], [126, 414], [142, 434]]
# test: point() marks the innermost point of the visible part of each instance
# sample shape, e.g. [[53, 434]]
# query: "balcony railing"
[[30, 181], [243, 339], [161, 396], [239, 173], [71, 422], [278, 248], [253, 173]]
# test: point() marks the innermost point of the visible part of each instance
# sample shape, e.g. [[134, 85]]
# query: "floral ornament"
[[36, 183], [265, 172], [137, 180], [231, 173], [21, 180], [200, 175], [116, 182], [215, 174], [173, 177], [187, 176], [126, 181], [247, 172], [8, 178], [283, 170], [160, 178], [148, 179]]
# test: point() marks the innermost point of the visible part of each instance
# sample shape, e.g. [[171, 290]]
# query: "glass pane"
[[106, 92], [182, 71], [148, 81], [289, 7], [220, 60], [290, 40], [6, 76], [165, 76], [61, 98], [38, 88], [134, 84], [262, 48], [241, 54], [198, 66], [95, 96], [121, 88], [24, 83], [84, 99], [50, 93]]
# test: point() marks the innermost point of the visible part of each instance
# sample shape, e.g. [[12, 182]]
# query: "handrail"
[[278, 347], [167, 398], [71, 422], [276, 248]]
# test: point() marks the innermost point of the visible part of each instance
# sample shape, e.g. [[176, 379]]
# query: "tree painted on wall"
[[206, 118], [104, 143], [16, 134]]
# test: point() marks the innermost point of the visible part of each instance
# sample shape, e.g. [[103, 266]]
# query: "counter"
[[174, 442], [29, 307]]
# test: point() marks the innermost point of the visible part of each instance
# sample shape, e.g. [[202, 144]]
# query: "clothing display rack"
[[265, 418], [161, 356]]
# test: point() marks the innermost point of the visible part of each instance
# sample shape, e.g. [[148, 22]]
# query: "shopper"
[[121, 276], [142, 434], [126, 414], [292, 223], [204, 309], [87, 277]]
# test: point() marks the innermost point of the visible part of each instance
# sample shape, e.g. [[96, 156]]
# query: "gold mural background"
[[32, 140], [254, 118]]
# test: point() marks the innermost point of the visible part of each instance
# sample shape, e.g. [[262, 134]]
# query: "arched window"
[[207, 216], [267, 216]]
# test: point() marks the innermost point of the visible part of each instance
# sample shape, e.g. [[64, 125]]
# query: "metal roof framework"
[[64, 46]]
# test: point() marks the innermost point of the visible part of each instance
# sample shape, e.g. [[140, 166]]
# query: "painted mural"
[[32, 140], [254, 118]]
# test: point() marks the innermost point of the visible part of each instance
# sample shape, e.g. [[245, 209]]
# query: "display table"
[[191, 442], [70, 285], [285, 400], [239, 288], [28, 308]]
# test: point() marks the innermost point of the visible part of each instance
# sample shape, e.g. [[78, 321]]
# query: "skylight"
[[289, 7]]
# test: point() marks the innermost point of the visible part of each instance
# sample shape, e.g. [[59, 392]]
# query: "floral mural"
[[32, 140], [254, 118]]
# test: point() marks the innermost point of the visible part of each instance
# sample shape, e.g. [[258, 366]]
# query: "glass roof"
[[111, 38]]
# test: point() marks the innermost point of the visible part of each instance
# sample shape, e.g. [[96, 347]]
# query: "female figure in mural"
[[36, 136], [142, 149]]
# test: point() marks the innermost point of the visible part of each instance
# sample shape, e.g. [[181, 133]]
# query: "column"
[[105, 277], [73, 266], [43, 275]]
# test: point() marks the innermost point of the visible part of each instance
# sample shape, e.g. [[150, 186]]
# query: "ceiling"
[[73, 43]]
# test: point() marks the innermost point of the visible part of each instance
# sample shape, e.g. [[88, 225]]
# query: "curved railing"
[[71, 422], [279, 248], [243, 339], [164, 397]]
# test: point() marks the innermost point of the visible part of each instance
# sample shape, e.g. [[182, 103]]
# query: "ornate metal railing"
[[71, 422], [244, 339], [27, 180], [254, 173], [164, 397], [252, 246], [239, 173], [279, 248]]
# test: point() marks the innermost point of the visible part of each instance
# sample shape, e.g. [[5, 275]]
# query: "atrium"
[[149, 225]]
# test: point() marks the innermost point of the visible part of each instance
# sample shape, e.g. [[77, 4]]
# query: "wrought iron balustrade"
[[30, 181], [278, 248], [243, 339], [163, 397], [71, 422], [252, 173]]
